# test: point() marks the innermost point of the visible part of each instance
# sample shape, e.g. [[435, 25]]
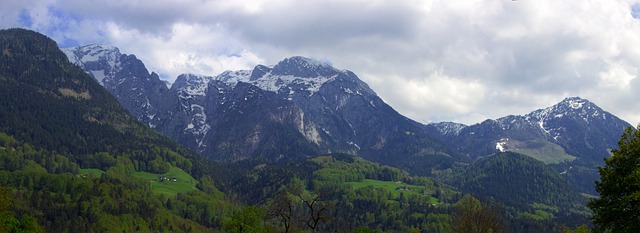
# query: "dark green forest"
[[73, 160]]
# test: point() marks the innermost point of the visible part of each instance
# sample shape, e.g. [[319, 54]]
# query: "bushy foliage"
[[471, 216], [618, 207]]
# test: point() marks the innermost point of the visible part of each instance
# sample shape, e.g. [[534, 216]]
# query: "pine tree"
[[618, 208]]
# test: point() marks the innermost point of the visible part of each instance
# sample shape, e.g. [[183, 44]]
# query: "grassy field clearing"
[[183, 181], [91, 172], [395, 188], [544, 151], [177, 180]]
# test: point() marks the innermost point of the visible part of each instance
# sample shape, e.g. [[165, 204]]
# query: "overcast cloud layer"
[[432, 60]]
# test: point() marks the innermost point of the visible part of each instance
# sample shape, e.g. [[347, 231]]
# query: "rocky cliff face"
[[125, 77]]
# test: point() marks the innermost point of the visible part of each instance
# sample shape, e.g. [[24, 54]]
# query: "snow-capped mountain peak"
[[575, 102], [291, 75], [92, 52], [192, 84], [303, 68], [102, 61], [569, 107], [124, 76], [448, 128], [233, 77]]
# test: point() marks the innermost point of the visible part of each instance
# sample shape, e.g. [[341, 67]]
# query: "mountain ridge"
[[549, 124], [324, 110]]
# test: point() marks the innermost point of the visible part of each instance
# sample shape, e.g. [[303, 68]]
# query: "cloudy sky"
[[432, 60]]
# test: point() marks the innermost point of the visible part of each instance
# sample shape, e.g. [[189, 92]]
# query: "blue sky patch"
[[25, 18], [635, 10]]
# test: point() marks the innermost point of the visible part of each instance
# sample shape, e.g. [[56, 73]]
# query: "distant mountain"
[[573, 128], [582, 128], [575, 135], [301, 107], [294, 109]]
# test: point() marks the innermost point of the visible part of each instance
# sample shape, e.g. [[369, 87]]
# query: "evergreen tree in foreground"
[[618, 208]]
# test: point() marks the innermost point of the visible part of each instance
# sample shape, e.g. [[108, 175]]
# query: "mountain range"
[[573, 128], [301, 107], [286, 112]]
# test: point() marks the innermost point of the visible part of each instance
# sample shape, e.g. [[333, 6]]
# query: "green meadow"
[[183, 181], [395, 188]]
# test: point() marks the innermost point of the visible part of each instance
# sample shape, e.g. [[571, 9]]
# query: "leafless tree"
[[282, 207], [318, 211]]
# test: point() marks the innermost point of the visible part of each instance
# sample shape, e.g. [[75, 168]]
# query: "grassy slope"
[[544, 151], [392, 186], [91, 172], [184, 182]]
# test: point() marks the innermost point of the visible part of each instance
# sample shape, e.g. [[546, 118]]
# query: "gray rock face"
[[125, 77]]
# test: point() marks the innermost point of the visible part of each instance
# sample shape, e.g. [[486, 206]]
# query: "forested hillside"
[[531, 192], [57, 124]]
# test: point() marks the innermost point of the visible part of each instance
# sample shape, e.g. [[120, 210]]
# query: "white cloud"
[[442, 94], [618, 76], [431, 60], [186, 48]]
